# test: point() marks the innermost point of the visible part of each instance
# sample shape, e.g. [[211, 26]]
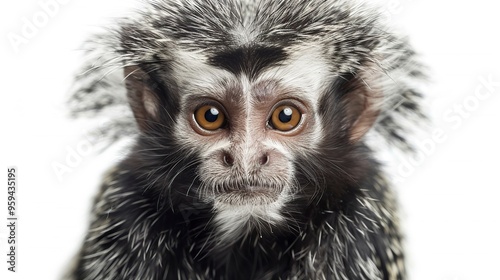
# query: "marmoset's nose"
[[228, 159]]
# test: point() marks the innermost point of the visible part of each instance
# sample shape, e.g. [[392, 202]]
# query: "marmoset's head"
[[252, 112]]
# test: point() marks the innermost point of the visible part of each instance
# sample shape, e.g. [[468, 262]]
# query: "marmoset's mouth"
[[250, 195]]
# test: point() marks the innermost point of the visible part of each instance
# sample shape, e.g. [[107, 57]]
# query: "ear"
[[362, 103], [142, 98]]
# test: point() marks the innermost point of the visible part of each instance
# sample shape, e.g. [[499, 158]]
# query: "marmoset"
[[250, 157]]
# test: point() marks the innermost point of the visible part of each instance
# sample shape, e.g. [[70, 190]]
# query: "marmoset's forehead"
[[260, 73]]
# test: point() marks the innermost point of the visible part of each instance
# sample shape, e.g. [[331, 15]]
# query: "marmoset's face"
[[248, 131], [265, 124]]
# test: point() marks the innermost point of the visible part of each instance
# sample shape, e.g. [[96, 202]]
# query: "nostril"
[[264, 159], [228, 159]]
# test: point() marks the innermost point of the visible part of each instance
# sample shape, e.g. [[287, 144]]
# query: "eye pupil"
[[285, 115], [212, 115]]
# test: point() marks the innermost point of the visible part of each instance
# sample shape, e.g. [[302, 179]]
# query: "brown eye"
[[209, 117], [285, 118]]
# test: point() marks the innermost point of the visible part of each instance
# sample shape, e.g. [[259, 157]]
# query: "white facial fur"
[[300, 79]]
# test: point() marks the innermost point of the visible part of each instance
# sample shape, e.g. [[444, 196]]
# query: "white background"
[[450, 196]]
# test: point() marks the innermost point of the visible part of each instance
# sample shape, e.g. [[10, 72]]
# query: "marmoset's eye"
[[209, 117], [285, 118]]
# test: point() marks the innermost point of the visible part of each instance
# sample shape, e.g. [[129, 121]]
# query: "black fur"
[[249, 60]]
